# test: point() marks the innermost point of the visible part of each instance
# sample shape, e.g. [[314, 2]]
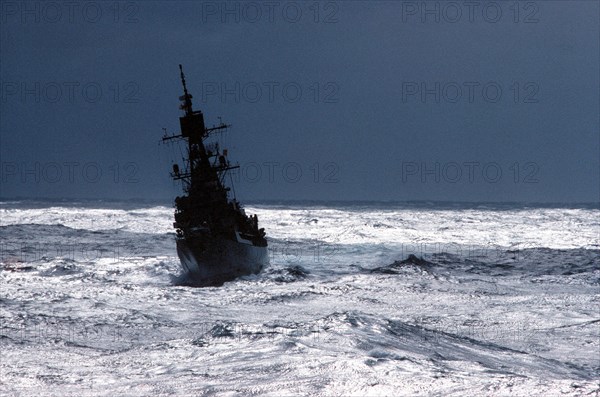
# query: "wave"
[[531, 262], [385, 339], [398, 266]]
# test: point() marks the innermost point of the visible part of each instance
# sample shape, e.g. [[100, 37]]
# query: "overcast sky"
[[360, 100]]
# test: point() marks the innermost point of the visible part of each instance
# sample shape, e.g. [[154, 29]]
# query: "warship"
[[216, 240]]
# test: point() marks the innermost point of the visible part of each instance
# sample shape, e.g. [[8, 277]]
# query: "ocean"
[[359, 299]]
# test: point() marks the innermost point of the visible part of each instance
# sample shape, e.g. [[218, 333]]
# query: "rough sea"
[[359, 299]]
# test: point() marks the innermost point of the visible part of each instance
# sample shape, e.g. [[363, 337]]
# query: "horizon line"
[[314, 201]]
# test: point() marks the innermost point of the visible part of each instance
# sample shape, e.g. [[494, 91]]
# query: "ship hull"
[[215, 261]]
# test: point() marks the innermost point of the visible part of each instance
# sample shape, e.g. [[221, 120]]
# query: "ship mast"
[[194, 132], [187, 98]]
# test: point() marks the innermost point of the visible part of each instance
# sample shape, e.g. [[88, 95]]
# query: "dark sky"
[[360, 100]]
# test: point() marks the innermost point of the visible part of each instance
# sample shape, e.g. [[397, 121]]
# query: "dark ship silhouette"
[[216, 240]]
